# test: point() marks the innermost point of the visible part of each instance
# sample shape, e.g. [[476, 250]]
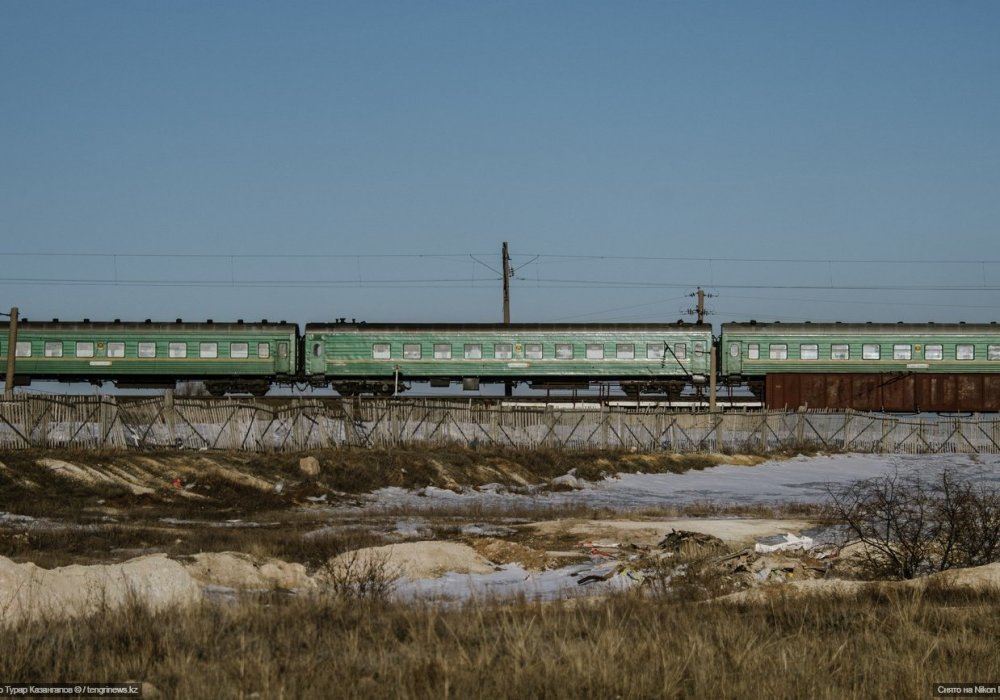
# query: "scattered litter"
[[317, 499], [791, 542]]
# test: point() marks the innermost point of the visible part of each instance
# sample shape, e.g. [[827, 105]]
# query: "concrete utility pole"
[[508, 387], [701, 305], [506, 285], [8, 387]]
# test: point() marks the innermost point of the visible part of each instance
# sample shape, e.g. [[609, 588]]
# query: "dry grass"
[[878, 644]]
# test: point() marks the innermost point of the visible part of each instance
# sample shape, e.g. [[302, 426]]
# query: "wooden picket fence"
[[299, 424]]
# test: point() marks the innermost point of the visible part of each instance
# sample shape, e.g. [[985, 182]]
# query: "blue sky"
[[800, 160]]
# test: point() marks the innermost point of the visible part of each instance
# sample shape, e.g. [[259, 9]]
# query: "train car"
[[227, 357], [866, 366], [380, 358]]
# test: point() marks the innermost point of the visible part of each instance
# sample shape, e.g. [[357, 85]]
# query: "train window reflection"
[[965, 352], [993, 352], [871, 351], [655, 351], [933, 352], [777, 351], [411, 351], [53, 348], [85, 349], [177, 350], [503, 351], [753, 351], [116, 349], [625, 351], [239, 351], [23, 348], [901, 352], [809, 352], [381, 351], [533, 351], [840, 351], [564, 351], [147, 349], [442, 351], [595, 351], [473, 351]]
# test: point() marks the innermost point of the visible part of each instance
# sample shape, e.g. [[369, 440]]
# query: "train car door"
[[283, 363], [735, 363]]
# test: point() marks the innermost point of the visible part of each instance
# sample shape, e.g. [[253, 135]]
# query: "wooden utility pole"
[[701, 305], [8, 387], [506, 285]]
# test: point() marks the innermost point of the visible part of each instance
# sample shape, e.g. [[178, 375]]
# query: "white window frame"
[[208, 350], [53, 348], [871, 351], [177, 350], [442, 351], [902, 352], [412, 351], [625, 351], [84, 348], [840, 351], [595, 351], [503, 351], [808, 351], [239, 351], [116, 348], [146, 349], [564, 351], [533, 351], [381, 351], [934, 351], [965, 352]]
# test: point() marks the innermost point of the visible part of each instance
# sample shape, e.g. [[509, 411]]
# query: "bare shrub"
[[361, 574], [910, 525]]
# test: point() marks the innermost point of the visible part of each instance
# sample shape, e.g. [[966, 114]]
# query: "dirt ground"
[[240, 521]]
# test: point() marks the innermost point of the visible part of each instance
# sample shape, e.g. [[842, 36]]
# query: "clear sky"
[[239, 159]]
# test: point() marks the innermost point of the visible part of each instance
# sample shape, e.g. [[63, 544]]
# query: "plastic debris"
[[791, 542]]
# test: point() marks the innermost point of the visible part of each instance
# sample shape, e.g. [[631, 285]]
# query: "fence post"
[[169, 417]]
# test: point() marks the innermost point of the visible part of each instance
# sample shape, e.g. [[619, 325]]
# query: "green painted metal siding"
[[983, 338], [103, 364], [350, 352]]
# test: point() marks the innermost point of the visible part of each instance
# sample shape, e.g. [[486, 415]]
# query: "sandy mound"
[[415, 560], [241, 571], [27, 591], [650, 532]]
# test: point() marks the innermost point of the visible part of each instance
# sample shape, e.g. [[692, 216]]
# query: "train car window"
[[381, 351], [177, 350], [902, 352], [965, 352], [208, 350], [503, 351], [85, 348], [933, 352], [680, 351], [993, 352], [53, 348], [734, 349], [473, 351], [625, 351], [840, 351], [533, 351], [147, 350], [263, 350], [411, 351], [116, 348], [809, 351], [240, 351], [442, 351], [753, 351], [23, 348], [595, 351], [871, 351], [564, 351], [655, 351], [777, 351], [699, 347]]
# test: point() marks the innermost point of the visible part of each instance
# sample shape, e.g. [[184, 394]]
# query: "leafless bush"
[[361, 574], [910, 525]]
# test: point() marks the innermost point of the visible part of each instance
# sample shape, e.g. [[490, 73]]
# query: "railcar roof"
[[867, 327], [164, 326], [500, 327]]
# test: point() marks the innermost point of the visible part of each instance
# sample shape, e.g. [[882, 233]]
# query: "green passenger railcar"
[[236, 357], [866, 366], [372, 357]]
